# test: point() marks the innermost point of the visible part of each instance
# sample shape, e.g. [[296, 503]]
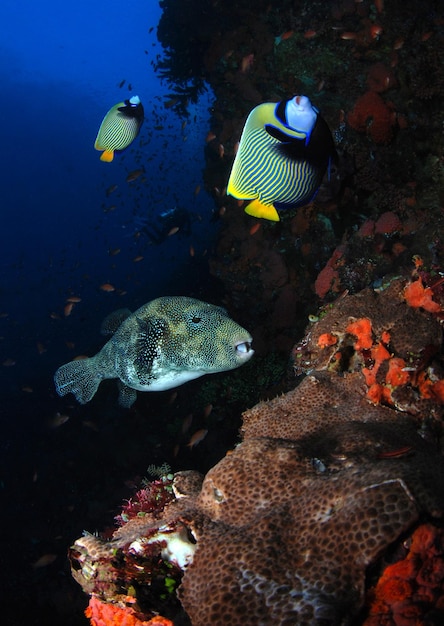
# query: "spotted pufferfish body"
[[162, 345]]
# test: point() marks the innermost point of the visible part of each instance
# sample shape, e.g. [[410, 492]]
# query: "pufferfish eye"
[[195, 319]]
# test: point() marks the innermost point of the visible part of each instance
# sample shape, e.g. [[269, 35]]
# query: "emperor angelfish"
[[119, 128], [283, 154], [162, 345]]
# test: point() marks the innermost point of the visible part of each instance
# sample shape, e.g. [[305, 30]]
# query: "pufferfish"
[[162, 345], [119, 127], [283, 154]]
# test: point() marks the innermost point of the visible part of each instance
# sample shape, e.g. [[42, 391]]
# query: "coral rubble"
[[327, 480]]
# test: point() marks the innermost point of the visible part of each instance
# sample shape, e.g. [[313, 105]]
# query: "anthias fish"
[[283, 154], [162, 345], [119, 128]]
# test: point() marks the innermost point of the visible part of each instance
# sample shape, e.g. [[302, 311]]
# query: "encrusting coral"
[[372, 115], [327, 479]]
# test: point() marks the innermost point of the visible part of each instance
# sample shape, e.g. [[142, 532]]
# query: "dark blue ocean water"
[[62, 66]]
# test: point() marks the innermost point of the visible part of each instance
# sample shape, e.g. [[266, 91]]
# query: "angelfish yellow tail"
[[267, 211], [107, 156]]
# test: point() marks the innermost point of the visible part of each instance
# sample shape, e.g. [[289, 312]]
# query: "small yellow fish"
[[119, 127]]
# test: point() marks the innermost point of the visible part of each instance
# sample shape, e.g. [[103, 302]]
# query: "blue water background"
[[63, 70]]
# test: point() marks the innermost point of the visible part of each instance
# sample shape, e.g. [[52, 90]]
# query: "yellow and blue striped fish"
[[119, 128], [283, 154]]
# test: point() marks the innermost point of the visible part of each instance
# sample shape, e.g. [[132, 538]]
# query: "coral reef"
[[411, 590], [330, 510], [102, 614], [373, 116], [327, 479]]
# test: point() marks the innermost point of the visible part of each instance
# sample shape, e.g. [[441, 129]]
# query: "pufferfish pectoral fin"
[[127, 396], [256, 208]]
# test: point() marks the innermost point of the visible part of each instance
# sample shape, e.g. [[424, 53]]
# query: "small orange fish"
[[198, 436], [287, 35], [111, 190], [187, 421], [40, 347], [348, 35], [58, 420], [44, 560], [68, 309], [379, 4], [222, 211], [247, 63], [221, 151], [172, 398], [207, 410], [309, 34], [137, 258], [54, 316], [170, 103], [254, 228], [107, 287], [8, 363], [395, 454], [113, 251], [27, 389], [134, 175], [210, 136], [173, 231], [375, 31], [74, 299], [91, 425], [192, 252]]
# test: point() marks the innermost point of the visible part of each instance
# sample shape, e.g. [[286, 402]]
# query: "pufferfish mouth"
[[244, 349]]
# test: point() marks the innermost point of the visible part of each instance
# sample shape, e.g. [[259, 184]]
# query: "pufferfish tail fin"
[[81, 378]]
